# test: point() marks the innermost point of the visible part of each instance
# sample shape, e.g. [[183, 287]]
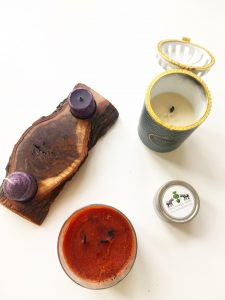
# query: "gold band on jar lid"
[[196, 59]]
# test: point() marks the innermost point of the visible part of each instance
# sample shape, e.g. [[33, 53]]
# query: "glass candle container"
[[97, 246]]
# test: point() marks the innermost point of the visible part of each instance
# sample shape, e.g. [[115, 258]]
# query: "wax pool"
[[173, 109], [97, 246]]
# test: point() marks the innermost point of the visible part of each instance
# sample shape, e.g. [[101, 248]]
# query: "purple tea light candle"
[[20, 186], [82, 103]]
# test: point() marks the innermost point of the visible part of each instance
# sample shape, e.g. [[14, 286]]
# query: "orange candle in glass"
[[97, 246]]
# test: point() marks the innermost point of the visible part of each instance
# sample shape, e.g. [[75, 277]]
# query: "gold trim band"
[[183, 66], [168, 126]]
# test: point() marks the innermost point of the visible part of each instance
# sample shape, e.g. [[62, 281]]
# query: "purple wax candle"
[[82, 103], [20, 186]]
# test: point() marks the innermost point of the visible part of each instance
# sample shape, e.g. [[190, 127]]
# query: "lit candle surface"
[[97, 246], [20, 186], [82, 103], [173, 109]]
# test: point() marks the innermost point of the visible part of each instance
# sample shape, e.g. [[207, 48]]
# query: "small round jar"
[[177, 202], [97, 246]]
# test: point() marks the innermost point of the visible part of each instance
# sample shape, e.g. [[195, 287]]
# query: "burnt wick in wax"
[[111, 233], [172, 108], [104, 241], [84, 239]]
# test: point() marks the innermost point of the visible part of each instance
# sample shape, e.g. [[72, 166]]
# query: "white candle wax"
[[173, 109]]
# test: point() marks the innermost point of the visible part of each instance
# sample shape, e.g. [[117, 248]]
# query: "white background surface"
[[46, 47]]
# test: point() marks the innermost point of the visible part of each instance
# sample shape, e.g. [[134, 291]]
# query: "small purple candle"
[[82, 103], [20, 186]]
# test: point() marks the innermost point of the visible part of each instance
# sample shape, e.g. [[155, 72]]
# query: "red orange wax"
[[98, 245]]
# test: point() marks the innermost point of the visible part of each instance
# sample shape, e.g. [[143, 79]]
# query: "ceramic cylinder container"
[[182, 61]]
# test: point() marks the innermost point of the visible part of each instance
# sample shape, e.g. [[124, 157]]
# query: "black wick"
[[84, 239], [81, 99], [172, 108], [104, 241], [111, 235]]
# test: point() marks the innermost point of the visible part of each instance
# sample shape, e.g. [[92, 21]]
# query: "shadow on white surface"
[[197, 228], [199, 154]]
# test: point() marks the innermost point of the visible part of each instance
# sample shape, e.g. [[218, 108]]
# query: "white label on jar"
[[178, 202]]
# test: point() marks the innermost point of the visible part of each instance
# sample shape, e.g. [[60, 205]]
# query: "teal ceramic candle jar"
[[178, 100]]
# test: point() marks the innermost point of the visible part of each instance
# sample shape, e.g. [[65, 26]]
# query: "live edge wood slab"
[[52, 150]]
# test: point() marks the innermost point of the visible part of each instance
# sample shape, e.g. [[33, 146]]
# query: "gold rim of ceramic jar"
[[184, 66], [164, 124]]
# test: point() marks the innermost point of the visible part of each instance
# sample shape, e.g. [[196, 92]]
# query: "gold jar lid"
[[183, 54]]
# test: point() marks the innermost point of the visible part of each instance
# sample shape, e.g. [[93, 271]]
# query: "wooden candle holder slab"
[[52, 150]]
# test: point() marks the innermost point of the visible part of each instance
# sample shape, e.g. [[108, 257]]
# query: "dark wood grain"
[[53, 149]]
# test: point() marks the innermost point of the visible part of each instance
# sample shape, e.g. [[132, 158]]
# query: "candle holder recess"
[[178, 100]]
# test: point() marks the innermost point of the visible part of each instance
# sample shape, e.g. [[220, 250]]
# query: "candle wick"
[[104, 241], [172, 108], [81, 99]]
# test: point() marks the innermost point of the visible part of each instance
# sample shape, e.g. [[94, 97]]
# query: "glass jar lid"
[[184, 55]]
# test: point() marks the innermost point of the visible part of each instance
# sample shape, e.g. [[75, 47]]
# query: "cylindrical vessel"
[[177, 202], [82, 103], [159, 135], [97, 246]]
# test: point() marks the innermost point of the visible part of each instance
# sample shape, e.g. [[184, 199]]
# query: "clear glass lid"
[[184, 55]]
